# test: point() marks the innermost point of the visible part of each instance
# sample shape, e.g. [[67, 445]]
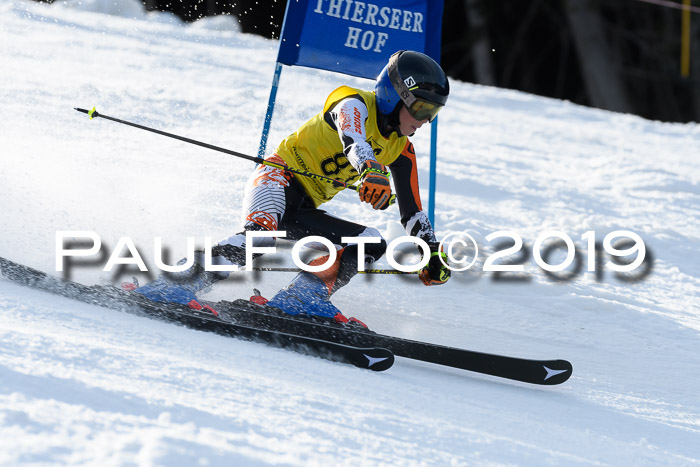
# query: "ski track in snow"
[[84, 385]]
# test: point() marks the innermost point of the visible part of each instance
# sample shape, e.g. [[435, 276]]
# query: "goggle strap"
[[406, 96]]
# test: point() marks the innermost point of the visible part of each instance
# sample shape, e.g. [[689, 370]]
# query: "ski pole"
[[366, 271], [337, 183]]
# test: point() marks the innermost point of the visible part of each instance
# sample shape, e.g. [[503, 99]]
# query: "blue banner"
[[357, 38]]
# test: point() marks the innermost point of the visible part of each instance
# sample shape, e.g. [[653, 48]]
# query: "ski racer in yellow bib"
[[358, 137], [317, 147]]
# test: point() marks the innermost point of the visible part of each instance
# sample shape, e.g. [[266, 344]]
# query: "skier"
[[358, 135]]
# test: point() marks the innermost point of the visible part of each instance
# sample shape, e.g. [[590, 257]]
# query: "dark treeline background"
[[621, 55]]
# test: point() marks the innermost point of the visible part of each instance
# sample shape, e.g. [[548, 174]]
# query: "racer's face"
[[407, 124]]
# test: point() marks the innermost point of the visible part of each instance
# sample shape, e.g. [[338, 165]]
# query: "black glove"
[[435, 272], [375, 188]]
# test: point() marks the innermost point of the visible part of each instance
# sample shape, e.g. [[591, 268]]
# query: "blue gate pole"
[[433, 169], [270, 109]]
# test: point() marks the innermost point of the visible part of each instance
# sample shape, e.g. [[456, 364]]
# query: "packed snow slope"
[[84, 385]]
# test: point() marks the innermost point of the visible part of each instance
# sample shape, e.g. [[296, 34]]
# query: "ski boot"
[[308, 296], [179, 288]]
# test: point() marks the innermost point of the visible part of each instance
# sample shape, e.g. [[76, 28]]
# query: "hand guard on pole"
[[375, 187], [435, 272]]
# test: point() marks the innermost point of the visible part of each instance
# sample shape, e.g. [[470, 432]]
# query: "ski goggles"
[[419, 108], [423, 110]]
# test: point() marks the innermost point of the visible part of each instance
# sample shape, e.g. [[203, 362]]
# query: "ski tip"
[[377, 359], [557, 372]]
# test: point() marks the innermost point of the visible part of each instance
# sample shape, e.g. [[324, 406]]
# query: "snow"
[[84, 385]]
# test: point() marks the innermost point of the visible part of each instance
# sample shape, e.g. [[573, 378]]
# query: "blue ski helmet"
[[414, 79]]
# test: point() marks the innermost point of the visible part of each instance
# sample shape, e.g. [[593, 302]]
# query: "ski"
[[246, 319], [369, 357], [533, 371]]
